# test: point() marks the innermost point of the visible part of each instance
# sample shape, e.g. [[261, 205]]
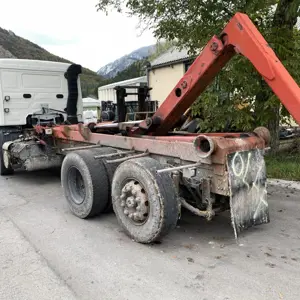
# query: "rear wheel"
[[145, 203], [85, 183]]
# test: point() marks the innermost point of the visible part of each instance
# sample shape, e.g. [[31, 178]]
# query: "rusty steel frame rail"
[[184, 149], [181, 147]]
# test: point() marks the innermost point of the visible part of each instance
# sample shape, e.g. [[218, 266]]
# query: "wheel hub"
[[77, 187], [134, 202]]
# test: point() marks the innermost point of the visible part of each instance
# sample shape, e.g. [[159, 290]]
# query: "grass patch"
[[285, 165]]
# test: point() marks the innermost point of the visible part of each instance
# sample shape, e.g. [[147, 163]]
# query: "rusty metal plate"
[[248, 193]]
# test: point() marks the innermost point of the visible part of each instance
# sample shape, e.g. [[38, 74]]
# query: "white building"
[[165, 72], [91, 110], [108, 93]]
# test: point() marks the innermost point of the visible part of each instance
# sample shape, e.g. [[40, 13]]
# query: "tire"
[[156, 199], [110, 169], [10, 136], [80, 170]]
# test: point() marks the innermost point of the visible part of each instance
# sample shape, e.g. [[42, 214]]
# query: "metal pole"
[[80, 148], [113, 154], [179, 168], [126, 158]]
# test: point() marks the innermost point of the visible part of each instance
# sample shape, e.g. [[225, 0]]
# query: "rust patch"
[[66, 131], [84, 131], [263, 133]]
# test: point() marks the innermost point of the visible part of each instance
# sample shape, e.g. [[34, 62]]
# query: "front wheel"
[[9, 136], [145, 203]]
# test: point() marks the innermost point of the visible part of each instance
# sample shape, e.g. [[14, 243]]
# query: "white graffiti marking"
[[242, 173], [262, 197], [234, 164], [242, 168], [261, 201], [246, 171]]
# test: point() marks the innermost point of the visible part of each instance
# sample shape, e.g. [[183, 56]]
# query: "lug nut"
[[148, 121], [130, 202]]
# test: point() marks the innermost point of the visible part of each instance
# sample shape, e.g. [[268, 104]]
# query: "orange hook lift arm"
[[239, 36]]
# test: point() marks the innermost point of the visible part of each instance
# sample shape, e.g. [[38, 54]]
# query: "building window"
[[187, 65]]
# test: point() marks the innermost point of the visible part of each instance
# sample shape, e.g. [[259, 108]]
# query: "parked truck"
[[34, 93], [146, 170]]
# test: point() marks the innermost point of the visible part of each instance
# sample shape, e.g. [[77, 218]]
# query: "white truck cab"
[[34, 91]]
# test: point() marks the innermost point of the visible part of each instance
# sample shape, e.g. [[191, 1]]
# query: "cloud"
[[74, 29]]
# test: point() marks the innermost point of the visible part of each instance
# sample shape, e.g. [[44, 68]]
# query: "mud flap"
[[248, 192]]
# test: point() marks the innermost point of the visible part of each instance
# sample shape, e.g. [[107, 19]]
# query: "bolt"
[[184, 84], [130, 202], [126, 212], [214, 46], [148, 121]]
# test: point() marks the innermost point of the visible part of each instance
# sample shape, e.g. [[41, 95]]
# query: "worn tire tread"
[[98, 177], [166, 193]]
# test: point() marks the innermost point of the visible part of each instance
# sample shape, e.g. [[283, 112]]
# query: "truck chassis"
[[146, 171]]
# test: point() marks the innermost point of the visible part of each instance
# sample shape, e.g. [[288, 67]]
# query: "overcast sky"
[[73, 29]]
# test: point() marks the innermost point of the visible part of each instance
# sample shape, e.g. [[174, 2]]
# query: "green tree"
[[193, 22], [160, 48]]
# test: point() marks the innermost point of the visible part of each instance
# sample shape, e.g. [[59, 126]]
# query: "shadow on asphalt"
[[190, 228], [37, 177], [218, 230]]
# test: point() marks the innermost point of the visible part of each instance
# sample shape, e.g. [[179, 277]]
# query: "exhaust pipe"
[[205, 146], [72, 77]]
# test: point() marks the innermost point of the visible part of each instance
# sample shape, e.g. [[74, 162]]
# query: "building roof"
[[172, 56], [142, 79], [90, 102], [30, 64]]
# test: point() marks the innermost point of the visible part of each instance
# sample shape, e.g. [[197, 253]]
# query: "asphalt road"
[[47, 253]]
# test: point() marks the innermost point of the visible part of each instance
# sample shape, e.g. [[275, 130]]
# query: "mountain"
[[13, 46], [136, 69], [119, 65]]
